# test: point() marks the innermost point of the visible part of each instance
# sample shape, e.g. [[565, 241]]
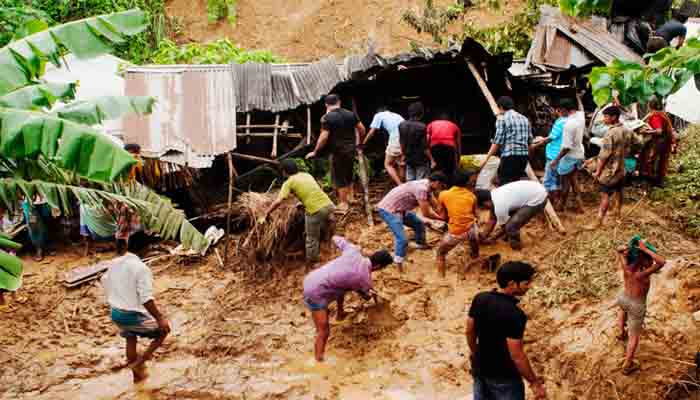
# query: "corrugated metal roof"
[[195, 113], [561, 42]]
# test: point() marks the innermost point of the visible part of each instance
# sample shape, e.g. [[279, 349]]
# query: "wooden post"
[[247, 128], [308, 125], [274, 136], [548, 209], [232, 173]]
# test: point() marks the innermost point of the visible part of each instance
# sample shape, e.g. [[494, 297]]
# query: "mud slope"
[[306, 30]]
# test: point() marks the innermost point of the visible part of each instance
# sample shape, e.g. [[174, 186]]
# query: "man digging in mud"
[[495, 330], [349, 272], [638, 262], [396, 209], [458, 207], [128, 285]]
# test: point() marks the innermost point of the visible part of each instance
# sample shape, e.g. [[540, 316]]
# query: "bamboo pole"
[[274, 136], [254, 158], [232, 173], [308, 125], [548, 209]]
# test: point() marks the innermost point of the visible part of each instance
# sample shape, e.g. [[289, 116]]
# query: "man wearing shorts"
[[389, 121], [329, 283], [341, 132], [458, 207], [552, 180], [638, 261], [571, 156], [610, 170], [128, 284]]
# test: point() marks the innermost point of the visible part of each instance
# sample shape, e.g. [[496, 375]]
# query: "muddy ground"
[[237, 336]]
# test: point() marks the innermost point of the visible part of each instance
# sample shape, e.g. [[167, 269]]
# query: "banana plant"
[[58, 151]]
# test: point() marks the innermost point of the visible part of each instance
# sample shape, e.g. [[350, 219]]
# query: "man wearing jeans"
[[396, 209], [318, 205], [513, 137], [512, 206], [495, 330]]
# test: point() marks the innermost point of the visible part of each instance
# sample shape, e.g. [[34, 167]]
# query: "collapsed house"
[[262, 113]]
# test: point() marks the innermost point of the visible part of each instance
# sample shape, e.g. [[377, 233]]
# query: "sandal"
[[631, 368]]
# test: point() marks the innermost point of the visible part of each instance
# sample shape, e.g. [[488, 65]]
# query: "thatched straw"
[[263, 242]]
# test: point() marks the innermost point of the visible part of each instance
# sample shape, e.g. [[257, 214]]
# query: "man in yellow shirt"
[[458, 207], [318, 205]]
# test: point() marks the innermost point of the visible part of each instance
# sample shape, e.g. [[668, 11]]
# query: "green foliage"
[[220, 51], [433, 20], [682, 189], [513, 36], [18, 20], [585, 8], [218, 9], [665, 73]]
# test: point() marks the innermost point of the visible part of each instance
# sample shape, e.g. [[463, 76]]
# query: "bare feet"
[[622, 336], [631, 367], [139, 371]]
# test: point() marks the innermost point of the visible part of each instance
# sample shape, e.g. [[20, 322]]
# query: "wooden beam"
[[271, 134], [254, 158], [548, 209], [266, 126], [274, 136], [308, 125], [232, 173]]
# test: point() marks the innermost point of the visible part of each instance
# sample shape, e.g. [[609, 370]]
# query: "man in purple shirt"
[[349, 272], [396, 209]]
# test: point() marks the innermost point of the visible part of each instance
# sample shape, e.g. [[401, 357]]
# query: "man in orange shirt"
[[458, 207]]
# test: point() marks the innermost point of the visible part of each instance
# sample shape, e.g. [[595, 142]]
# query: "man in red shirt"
[[445, 141]]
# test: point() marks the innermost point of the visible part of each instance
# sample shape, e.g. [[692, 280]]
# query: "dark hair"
[[613, 111], [505, 102], [568, 104], [332, 100], [655, 103], [439, 177], [516, 271], [462, 177], [680, 15], [289, 167], [656, 43], [382, 108], [415, 110], [122, 246], [132, 148], [482, 196], [380, 259]]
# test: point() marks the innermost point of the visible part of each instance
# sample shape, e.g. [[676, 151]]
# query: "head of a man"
[[416, 111], [438, 181], [568, 105], [680, 15], [611, 115], [505, 103], [380, 259], [655, 104], [656, 43], [122, 247], [133, 148], [464, 178], [483, 199], [288, 167], [514, 277], [332, 101]]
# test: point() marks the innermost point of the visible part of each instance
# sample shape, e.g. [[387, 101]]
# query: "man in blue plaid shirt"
[[513, 137]]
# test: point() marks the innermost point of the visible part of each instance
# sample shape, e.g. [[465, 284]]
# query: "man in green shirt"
[[318, 205]]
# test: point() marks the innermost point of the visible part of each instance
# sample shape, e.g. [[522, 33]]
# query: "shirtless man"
[[638, 262]]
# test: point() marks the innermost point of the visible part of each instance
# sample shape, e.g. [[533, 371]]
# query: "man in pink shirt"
[[349, 272], [396, 209]]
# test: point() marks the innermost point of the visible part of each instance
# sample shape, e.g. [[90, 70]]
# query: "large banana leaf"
[[35, 97], [157, 212], [97, 110], [23, 61], [27, 134]]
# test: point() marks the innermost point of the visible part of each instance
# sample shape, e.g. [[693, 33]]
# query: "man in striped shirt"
[[513, 137]]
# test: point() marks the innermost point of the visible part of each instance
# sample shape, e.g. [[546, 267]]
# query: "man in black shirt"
[[341, 132], [495, 329], [414, 148]]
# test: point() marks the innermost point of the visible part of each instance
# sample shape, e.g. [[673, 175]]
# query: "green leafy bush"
[[584, 8], [221, 51], [218, 9]]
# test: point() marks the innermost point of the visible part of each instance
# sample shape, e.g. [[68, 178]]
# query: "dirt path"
[[238, 339], [308, 30]]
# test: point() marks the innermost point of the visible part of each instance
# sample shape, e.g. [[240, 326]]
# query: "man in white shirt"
[[389, 121], [572, 153], [511, 206], [128, 285]]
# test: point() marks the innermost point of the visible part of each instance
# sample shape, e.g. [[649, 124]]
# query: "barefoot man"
[[128, 285], [349, 272], [638, 262]]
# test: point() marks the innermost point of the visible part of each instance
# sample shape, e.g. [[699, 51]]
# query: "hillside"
[[306, 30]]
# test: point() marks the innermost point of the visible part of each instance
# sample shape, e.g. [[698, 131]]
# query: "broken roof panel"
[[561, 42]]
